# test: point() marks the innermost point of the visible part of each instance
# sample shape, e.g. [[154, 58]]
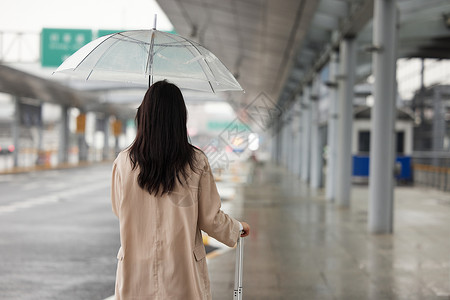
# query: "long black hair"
[[161, 148]]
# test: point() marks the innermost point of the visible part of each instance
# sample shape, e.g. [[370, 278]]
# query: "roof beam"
[[349, 27], [334, 8]]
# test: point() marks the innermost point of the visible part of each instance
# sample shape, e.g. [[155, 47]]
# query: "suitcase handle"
[[238, 271]]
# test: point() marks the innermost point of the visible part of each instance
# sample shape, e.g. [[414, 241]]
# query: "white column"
[[279, 140], [332, 129], [16, 131], [40, 129], [346, 85], [297, 140], [300, 142], [438, 128], [316, 152], [288, 144], [306, 124], [107, 129], [382, 146], [286, 141]]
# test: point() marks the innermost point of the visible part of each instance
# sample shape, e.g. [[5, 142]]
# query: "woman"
[[163, 193]]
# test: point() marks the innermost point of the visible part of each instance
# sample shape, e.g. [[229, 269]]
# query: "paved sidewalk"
[[303, 247]]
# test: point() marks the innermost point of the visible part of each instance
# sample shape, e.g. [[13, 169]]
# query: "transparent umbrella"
[[146, 56]]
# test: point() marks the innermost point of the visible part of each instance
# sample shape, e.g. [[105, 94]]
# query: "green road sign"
[[103, 32], [58, 44]]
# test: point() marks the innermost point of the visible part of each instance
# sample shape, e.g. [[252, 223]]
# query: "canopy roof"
[[277, 46]]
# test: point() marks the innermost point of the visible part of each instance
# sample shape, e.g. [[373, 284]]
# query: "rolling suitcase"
[[238, 271]]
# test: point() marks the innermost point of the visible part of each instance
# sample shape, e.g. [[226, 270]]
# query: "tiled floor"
[[303, 247]]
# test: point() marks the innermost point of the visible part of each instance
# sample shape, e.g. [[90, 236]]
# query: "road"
[[58, 235]]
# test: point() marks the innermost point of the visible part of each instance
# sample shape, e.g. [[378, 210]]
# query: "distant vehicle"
[[7, 149]]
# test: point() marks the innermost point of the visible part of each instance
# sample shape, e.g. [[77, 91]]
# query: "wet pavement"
[[59, 238], [303, 247], [58, 235]]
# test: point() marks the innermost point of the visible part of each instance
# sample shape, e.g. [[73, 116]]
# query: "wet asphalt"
[[58, 235]]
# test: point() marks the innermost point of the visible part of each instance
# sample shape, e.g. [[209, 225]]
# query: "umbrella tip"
[[154, 22]]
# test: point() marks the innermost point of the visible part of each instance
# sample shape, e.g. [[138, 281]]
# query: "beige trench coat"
[[162, 255]]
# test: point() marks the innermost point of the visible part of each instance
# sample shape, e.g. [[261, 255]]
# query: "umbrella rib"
[[84, 58], [100, 58], [205, 63]]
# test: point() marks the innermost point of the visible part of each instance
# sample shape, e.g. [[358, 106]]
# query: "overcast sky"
[[33, 15]]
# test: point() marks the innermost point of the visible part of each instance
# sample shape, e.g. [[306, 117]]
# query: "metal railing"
[[432, 169]]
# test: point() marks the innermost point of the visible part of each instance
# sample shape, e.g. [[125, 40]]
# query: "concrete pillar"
[[275, 143], [332, 129], [40, 132], [438, 124], [278, 141], [64, 135], [381, 178], [16, 131], [316, 151], [300, 142], [272, 143], [306, 124], [290, 141], [40, 129], [297, 140], [81, 131], [116, 142], [107, 131], [285, 141], [344, 154]]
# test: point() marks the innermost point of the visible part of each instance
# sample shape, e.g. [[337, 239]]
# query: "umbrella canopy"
[[146, 56]]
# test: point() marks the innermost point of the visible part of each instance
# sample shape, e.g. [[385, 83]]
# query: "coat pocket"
[[199, 252], [202, 271]]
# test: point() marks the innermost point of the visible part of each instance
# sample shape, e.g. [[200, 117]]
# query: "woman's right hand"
[[246, 229]]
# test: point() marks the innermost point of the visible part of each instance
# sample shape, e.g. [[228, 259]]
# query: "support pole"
[[118, 129], [438, 124], [297, 141], [81, 131], [290, 141], [64, 135], [285, 141], [16, 132], [278, 140], [316, 152], [40, 129], [382, 146], [332, 130], [346, 85], [275, 143], [299, 144], [306, 124], [107, 130]]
